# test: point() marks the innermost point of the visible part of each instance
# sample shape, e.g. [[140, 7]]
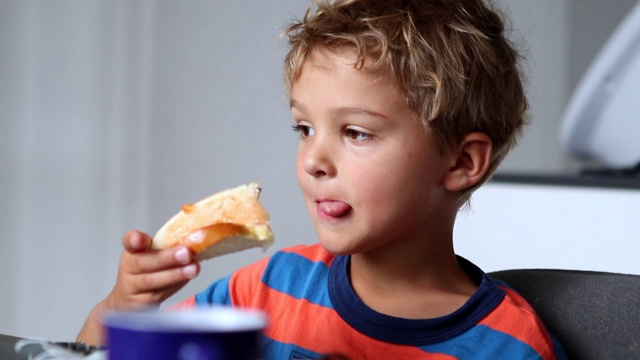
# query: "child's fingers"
[[135, 291], [156, 260], [148, 277], [164, 282], [136, 241]]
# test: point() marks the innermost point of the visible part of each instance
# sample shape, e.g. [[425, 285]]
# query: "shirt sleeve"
[[216, 294], [187, 304], [237, 289]]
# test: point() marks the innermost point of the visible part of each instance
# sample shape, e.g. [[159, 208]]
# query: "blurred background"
[[115, 113]]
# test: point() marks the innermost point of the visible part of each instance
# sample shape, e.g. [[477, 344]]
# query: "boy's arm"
[[145, 278], [91, 331]]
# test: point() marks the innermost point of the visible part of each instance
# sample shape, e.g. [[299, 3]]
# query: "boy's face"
[[367, 167]]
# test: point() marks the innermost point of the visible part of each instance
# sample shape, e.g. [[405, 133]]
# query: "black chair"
[[594, 315]]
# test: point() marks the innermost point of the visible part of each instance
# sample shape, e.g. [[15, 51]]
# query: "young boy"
[[403, 109]]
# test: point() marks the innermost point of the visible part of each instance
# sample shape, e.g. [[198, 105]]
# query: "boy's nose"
[[317, 159]]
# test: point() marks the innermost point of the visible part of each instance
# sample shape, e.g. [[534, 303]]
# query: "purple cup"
[[213, 333]]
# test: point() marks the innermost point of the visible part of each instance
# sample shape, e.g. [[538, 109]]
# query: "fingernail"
[[136, 241], [190, 271], [182, 256]]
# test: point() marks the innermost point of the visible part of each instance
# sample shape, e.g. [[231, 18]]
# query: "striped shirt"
[[313, 310]]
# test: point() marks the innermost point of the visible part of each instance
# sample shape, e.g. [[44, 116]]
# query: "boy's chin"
[[337, 247]]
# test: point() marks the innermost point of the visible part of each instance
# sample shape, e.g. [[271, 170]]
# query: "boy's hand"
[[147, 277]]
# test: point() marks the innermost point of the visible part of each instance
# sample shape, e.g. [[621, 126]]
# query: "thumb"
[[136, 241]]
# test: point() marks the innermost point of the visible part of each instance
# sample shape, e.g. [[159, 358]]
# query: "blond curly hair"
[[450, 58]]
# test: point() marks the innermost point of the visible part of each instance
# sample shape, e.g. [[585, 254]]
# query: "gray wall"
[[114, 113]]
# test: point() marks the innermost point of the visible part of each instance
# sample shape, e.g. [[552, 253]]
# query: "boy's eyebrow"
[[356, 110]]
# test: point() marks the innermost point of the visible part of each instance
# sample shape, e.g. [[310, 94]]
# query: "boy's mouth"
[[331, 209]]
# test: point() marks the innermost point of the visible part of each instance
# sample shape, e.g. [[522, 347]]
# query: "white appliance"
[[602, 119]]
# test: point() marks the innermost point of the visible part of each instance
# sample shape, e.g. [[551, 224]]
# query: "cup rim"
[[209, 319]]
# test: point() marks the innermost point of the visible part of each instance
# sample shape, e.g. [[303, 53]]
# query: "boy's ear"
[[469, 162]]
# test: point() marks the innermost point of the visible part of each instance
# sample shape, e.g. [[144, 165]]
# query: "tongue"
[[334, 208]]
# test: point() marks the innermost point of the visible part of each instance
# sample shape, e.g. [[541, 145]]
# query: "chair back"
[[594, 315]]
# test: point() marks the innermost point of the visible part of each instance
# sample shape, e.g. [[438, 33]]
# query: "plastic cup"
[[215, 333]]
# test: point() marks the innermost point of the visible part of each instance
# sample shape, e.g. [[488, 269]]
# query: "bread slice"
[[226, 222]]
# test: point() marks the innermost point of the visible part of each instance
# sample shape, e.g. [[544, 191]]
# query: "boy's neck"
[[417, 280]]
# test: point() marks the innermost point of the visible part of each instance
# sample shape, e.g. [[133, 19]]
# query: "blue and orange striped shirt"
[[313, 310]]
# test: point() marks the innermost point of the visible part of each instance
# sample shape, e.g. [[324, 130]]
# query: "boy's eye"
[[357, 135], [304, 130]]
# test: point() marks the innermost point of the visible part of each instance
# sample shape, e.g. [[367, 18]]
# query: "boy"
[[403, 109]]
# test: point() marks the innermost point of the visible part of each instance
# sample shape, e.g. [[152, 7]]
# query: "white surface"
[[514, 226], [601, 120]]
